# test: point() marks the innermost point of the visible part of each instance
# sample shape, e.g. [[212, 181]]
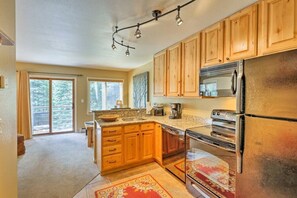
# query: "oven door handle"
[[214, 145]]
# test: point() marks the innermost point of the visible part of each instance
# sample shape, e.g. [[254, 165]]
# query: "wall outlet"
[[3, 82]]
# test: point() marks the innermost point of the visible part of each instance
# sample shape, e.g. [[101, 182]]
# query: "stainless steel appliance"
[[158, 110], [211, 157], [175, 111], [219, 81], [266, 134], [173, 147]]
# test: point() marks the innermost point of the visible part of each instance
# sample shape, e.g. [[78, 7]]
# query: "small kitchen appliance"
[[175, 111], [158, 110]]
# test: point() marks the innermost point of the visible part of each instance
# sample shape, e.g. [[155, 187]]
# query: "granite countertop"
[[182, 124]]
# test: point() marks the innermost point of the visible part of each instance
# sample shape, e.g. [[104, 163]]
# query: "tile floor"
[[175, 187]]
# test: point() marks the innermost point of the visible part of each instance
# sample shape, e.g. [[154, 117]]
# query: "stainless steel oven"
[[173, 147], [211, 158]]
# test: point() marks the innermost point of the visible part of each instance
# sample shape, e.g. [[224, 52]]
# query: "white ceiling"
[[78, 32]]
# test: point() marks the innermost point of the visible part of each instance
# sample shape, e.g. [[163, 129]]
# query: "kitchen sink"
[[132, 119]]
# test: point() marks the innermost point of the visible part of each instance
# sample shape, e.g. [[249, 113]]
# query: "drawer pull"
[[112, 162], [112, 149], [111, 140], [112, 131]]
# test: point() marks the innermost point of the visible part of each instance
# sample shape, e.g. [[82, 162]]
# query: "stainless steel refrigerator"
[[267, 127]]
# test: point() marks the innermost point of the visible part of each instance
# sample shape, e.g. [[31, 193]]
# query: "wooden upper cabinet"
[[190, 66], [241, 34], [160, 74], [174, 70], [212, 45], [277, 25]]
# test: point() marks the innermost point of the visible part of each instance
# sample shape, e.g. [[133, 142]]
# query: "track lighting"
[[113, 45], [157, 14], [127, 51], [178, 20], [137, 33]]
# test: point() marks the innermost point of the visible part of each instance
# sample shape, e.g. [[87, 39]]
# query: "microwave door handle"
[[234, 84], [239, 141]]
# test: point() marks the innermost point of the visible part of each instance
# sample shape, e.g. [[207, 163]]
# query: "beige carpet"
[[55, 166]]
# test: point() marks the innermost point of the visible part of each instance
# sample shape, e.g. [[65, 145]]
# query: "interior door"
[[269, 166], [52, 105]]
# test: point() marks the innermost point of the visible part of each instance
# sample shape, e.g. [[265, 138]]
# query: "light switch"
[[1, 126], [82, 100]]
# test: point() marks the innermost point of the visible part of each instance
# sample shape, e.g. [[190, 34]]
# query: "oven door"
[[210, 169]]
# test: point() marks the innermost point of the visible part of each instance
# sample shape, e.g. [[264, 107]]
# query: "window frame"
[[106, 80]]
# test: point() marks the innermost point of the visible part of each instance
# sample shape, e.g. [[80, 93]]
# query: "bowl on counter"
[[109, 117]]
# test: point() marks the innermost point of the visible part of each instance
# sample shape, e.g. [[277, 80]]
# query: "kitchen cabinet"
[[174, 70], [212, 45], [277, 26], [160, 68], [158, 143], [138, 142], [190, 66], [131, 145], [241, 34], [147, 144]]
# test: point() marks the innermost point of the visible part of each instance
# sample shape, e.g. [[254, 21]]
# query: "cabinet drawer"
[[108, 150], [147, 126], [112, 140], [108, 131], [111, 161], [131, 128]]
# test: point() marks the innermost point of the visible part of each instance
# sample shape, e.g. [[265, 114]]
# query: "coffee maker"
[[175, 111]]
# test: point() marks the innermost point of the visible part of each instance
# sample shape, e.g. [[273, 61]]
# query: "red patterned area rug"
[[141, 187]]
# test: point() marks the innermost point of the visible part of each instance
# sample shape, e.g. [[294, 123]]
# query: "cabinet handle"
[[112, 149], [227, 58], [177, 94], [112, 162], [112, 131], [111, 140], [220, 60]]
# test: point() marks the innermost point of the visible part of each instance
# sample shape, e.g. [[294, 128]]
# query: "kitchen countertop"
[[181, 124]]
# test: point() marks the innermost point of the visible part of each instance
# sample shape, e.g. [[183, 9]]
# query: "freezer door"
[[271, 85], [269, 166]]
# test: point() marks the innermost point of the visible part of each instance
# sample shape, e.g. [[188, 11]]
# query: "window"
[[103, 94]]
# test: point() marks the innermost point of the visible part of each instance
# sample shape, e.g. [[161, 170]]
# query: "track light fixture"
[[127, 51], [178, 20], [156, 15], [137, 33]]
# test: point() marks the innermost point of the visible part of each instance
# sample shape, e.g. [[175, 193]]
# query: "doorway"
[[52, 105]]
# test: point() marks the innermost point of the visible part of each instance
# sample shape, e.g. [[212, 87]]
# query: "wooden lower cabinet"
[[147, 145], [131, 145], [158, 143], [112, 161]]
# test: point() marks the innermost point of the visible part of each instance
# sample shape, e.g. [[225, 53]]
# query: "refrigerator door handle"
[[239, 141], [240, 89]]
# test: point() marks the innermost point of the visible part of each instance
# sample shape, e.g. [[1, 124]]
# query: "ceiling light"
[[137, 33], [178, 20], [156, 15], [113, 45], [127, 51]]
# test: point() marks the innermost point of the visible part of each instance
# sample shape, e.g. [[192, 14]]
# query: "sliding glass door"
[[52, 109]]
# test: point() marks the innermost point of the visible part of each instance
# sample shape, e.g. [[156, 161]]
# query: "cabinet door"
[[172, 143], [160, 74], [241, 34], [174, 70], [158, 143], [147, 145], [131, 148], [278, 25], [212, 45], [191, 66]]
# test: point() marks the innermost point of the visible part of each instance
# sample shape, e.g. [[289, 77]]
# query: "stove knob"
[[213, 113], [218, 113]]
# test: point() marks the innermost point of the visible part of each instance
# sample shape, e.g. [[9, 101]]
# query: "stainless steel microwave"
[[219, 81]]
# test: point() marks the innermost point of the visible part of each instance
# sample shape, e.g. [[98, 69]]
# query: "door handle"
[[234, 84], [239, 142]]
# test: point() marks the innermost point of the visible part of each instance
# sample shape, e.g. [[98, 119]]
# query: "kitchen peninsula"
[[126, 143]]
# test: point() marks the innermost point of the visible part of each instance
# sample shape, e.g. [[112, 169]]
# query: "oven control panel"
[[221, 114]]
